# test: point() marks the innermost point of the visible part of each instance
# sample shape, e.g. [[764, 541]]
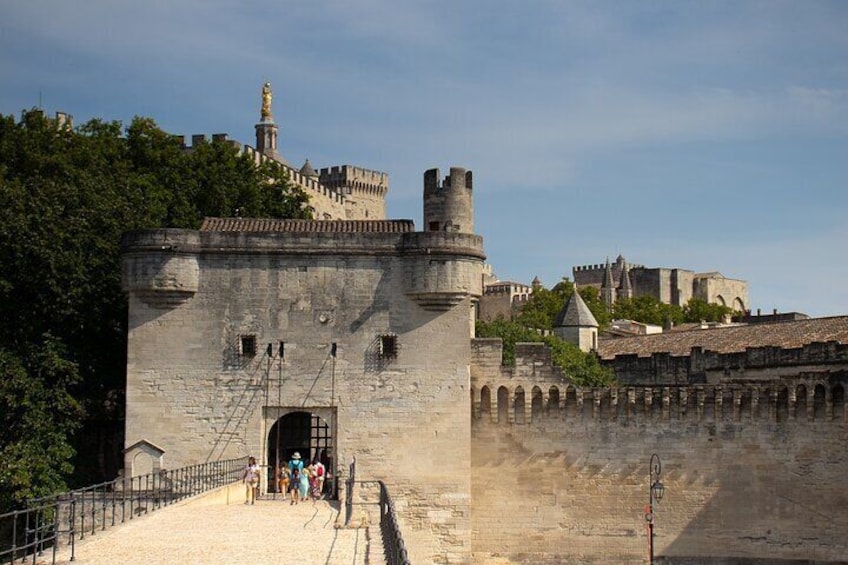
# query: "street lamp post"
[[655, 494]]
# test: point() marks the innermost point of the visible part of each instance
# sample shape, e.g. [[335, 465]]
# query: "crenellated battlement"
[[796, 400], [349, 178], [448, 204], [754, 363], [534, 389], [601, 267]]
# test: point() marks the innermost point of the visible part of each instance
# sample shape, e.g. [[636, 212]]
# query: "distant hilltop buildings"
[[670, 286], [621, 280], [338, 192]]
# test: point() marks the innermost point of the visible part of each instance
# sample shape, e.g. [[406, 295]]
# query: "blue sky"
[[705, 135]]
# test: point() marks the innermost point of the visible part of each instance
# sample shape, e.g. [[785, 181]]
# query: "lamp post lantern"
[[655, 494]]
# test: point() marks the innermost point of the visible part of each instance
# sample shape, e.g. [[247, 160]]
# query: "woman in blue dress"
[[304, 483]]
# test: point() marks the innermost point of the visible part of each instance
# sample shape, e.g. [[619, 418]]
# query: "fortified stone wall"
[[753, 364], [365, 190], [560, 473], [716, 289], [201, 384]]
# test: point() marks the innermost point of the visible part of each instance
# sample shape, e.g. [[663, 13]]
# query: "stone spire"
[[608, 287], [625, 289]]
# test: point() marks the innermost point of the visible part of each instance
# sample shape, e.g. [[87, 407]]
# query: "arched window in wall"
[[801, 403], [553, 402], [745, 404], [518, 406], [485, 404], [536, 404], [709, 405], [782, 408], [819, 411], [503, 405], [656, 403], [570, 402], [838, 398], [764, 404], [727, 404]]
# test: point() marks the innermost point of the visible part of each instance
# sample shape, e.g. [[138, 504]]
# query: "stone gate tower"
[[339, 339]]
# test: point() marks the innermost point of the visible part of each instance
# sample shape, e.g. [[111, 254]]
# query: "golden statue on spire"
[[266, 102]]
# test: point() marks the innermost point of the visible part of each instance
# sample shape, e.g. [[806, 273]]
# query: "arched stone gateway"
[[308, 434]]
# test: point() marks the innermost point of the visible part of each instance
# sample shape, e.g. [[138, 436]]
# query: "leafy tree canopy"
[[66, 196], [581, 368], [542, 307]]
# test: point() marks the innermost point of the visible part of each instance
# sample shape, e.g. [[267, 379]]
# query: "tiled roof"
[[258, 225], [787, 335]]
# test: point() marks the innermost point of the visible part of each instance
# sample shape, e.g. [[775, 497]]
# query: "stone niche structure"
[[265, 337]]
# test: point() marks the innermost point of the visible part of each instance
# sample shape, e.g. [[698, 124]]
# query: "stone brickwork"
[[502, 299], [359, 308], [752, 473]]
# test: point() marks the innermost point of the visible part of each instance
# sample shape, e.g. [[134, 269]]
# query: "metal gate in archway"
[[307, 434]]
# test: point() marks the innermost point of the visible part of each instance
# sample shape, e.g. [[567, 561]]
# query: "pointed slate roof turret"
[[607, 276], [608, 287], [307, 170], [536, 284], [575, 314]]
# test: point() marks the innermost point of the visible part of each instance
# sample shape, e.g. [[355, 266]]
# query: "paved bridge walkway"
[[208, 530]]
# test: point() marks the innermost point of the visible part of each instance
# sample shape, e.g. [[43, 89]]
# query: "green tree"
[[648, 310], [65, 199], [542, 307], [581, 368], [697, 310]]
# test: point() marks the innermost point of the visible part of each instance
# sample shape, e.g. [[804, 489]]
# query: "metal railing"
[[393, 546], [392, 539], [46, 523]]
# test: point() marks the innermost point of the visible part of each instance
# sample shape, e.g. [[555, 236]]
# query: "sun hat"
[[296, 455]]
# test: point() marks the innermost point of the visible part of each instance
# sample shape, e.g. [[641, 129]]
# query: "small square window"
[[388, 346], [248, 346]]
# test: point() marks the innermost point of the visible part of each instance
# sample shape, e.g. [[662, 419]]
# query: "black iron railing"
[[392, 540], [38, 531], [393, 546]]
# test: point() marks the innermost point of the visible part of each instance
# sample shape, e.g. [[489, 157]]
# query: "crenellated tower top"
[[448, 204]]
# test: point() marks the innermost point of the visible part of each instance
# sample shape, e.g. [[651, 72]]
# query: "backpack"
[[295, 472], [320, 470]]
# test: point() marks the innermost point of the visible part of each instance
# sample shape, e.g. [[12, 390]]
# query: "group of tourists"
[[303, 482]]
